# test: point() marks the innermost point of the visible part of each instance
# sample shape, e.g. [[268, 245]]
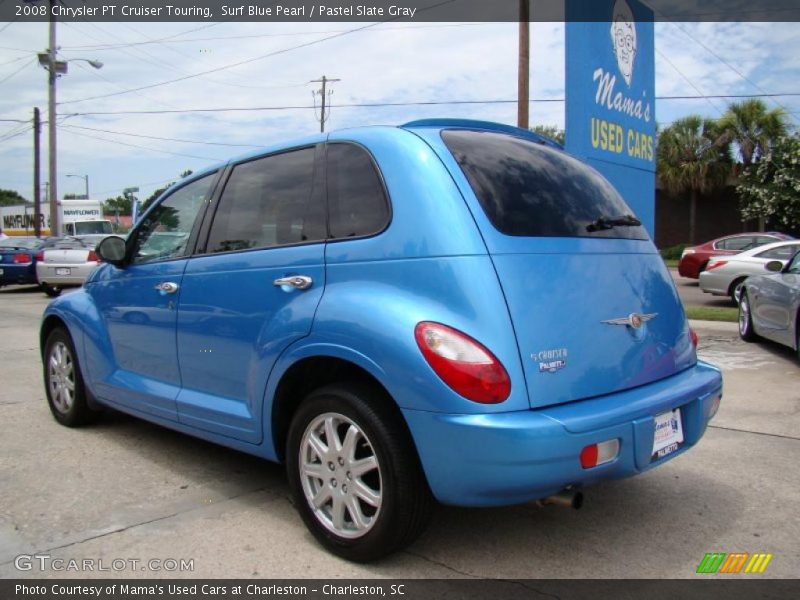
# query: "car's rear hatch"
[[593, 306]]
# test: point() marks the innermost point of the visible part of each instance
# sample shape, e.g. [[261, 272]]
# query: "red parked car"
[[695, 258]]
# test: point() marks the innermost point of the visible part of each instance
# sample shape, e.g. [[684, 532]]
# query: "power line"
[[164, 41], [395, 104], [166, 139], [22, 68], [68, 129], [255, 58], [222, 68]]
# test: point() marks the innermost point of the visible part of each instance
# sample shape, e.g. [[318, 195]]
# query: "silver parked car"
[[67, 264], [724, 275], [769, 304]]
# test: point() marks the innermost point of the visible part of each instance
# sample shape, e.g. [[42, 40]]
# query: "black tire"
[[50, 290], [746, 331], [60, 366], [404, 499], [735, 285]]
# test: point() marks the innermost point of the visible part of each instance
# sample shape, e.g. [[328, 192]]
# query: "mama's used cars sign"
[[610, 92]]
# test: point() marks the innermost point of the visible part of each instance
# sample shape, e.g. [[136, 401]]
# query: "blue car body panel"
[[209, 360]]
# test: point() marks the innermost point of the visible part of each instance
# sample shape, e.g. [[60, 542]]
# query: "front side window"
[[794, 265], [780, 253], [527, 189], [165, 232], [356, 198], [269, 202]]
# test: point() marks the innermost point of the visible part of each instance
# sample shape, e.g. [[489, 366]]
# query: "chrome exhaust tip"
[[567, 499]]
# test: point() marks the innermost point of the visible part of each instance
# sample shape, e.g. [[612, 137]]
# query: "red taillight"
[[40, 256], [92, 257], [22, 258], [463, 364], [693, 335], [715, 264]]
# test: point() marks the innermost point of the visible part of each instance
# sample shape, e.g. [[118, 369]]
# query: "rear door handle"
[[166, 287], [299, 282]]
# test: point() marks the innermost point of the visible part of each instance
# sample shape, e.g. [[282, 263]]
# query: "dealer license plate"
[[63, 271], [1, 271], [669, 434]]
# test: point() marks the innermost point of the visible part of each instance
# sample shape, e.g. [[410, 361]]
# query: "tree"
[[121, 205], [753, 128], [770, 188], [11, 198], [550, 131], [692, 157], [152, 197]]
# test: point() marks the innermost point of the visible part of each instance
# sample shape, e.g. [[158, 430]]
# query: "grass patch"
[[672, 263], [713, 313]]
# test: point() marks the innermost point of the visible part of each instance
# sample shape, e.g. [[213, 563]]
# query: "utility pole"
[[37, 200], [323, 93], [52, 75], [523, 74]]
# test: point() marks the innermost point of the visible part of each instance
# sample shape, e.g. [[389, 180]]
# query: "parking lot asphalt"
[[125, 489], [691, 294]]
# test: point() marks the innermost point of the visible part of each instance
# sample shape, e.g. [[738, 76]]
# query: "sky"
[[376, 63]]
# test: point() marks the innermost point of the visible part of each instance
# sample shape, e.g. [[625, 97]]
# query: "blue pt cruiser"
[[448, 310]]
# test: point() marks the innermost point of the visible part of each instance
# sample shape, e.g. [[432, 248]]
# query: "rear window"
[[527, 189]]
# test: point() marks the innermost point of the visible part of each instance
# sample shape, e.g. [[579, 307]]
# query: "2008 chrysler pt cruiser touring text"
[[449, 310]]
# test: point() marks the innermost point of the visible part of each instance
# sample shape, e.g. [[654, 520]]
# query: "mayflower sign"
[[610, 80]]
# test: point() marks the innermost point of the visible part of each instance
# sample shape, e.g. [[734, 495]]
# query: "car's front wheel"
[[746, 331], [63, 382], [354, 473]]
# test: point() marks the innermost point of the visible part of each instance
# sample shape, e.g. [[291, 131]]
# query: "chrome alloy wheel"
[[744, 315], [340, 475], [61, 377]]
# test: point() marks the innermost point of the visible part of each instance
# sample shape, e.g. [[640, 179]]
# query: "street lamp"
[[85, 178], [55, 68]]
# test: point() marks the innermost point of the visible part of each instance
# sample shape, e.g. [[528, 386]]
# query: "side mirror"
[[112, 250], [775, 266]]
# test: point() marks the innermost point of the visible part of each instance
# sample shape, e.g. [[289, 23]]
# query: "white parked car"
[[67, 264], [724, 275]]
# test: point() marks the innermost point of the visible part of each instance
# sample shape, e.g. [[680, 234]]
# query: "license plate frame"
[[667, 434], [63, 271]]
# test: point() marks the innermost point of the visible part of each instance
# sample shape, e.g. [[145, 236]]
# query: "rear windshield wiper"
[[604, 223]]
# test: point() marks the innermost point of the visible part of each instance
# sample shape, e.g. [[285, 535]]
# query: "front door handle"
[[166, 287], [299, 282]]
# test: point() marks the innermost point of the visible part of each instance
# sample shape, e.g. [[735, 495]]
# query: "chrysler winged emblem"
[[633, 320]]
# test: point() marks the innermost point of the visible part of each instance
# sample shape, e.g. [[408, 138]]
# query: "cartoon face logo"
[[623, 36]]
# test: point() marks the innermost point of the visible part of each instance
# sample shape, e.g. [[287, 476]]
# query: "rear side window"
[[527, 189], [356, 198], [737, 243], [269, 202]]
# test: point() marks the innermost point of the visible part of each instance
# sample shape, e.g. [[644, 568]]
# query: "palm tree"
[[753, 129], [693, 156]]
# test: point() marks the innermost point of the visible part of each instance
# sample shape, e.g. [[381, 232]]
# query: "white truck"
[[78, 217]]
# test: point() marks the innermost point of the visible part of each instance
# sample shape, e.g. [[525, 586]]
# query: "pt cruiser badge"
[[633, 320], [551, 361]]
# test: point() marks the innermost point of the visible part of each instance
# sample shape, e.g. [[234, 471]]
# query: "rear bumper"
[[48, 273], [17, 274], [712, 283], [509, 458]]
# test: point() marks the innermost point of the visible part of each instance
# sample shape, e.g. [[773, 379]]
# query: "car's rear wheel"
[[63, 382], [746, 331], [50, 290], [354, 473]]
